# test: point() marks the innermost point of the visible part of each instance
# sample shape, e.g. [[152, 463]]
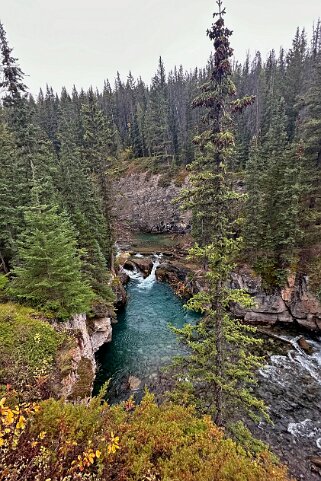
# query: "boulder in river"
[[145, 265], [134, 383], [305, 346]]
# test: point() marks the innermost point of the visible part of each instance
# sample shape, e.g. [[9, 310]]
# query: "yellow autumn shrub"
[[59, 441]]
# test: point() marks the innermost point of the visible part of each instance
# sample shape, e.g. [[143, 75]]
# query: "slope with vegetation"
[[60, 441]]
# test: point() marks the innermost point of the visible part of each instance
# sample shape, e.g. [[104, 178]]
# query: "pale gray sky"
[[62, 42]]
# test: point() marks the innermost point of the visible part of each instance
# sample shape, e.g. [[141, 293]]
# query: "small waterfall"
[[151, 279], [136, 275]]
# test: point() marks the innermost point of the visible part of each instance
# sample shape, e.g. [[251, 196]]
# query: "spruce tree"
[[10, 217], [220, 366], [48, 273], [97, 150], [12, 77], [26, 159], [157, 123], [310, 133], [273, 207]]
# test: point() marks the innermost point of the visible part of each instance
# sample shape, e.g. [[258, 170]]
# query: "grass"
[[29, 346]]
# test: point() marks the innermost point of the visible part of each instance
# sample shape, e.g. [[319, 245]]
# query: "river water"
[[142, 340]]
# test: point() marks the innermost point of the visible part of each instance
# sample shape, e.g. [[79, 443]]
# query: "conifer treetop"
[[11, 75]]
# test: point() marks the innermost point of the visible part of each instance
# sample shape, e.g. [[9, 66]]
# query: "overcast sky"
[[83, 42]]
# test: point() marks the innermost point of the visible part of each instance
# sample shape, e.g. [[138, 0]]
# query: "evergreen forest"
[[239, 144]]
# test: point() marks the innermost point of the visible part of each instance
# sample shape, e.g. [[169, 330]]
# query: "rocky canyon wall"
[[143, 204], [90, 335]]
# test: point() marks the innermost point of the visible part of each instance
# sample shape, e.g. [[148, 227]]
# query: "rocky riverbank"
[[89, 335], [294, 305]]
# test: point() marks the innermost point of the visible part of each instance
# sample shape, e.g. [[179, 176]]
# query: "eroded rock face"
[[294, 304], [91, 335], [101, 333], [143, 205]]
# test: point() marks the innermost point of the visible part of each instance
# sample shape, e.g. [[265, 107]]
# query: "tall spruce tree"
[[220, 367], [98, 149], [48, 273], [10, 217], [12, 85], [26, 158]]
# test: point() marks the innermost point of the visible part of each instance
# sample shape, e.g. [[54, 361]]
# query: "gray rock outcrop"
[[90, 335], [294, 304], [144, 205]]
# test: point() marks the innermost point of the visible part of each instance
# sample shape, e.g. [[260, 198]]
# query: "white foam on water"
[[151, 279], [304, 429], [135, 274]]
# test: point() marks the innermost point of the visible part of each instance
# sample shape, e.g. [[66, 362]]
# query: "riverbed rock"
[[142, 203], [305, 346], [134, 383], [144, 265]]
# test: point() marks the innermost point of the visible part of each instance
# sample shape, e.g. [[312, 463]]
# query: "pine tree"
[[12, 81], [220, 366], [273, 208], [48, 274], [310, 134]]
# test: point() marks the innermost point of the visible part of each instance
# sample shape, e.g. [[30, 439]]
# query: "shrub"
[[63, 441]]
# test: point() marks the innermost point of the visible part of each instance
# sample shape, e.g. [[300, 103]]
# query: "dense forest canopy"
[[79, 135]]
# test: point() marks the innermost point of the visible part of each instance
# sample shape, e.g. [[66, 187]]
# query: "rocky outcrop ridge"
[[294, 304], [91, 335], [143, 204]]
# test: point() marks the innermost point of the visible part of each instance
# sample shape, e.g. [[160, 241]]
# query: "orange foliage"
[[60, 441]]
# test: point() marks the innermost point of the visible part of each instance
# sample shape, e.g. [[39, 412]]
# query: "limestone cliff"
[[295, 304], [91, 335], [143, 204]]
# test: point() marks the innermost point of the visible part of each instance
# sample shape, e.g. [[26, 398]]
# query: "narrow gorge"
[[154, 270]]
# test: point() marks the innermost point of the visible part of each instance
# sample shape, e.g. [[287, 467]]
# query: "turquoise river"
[[142, 340]]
